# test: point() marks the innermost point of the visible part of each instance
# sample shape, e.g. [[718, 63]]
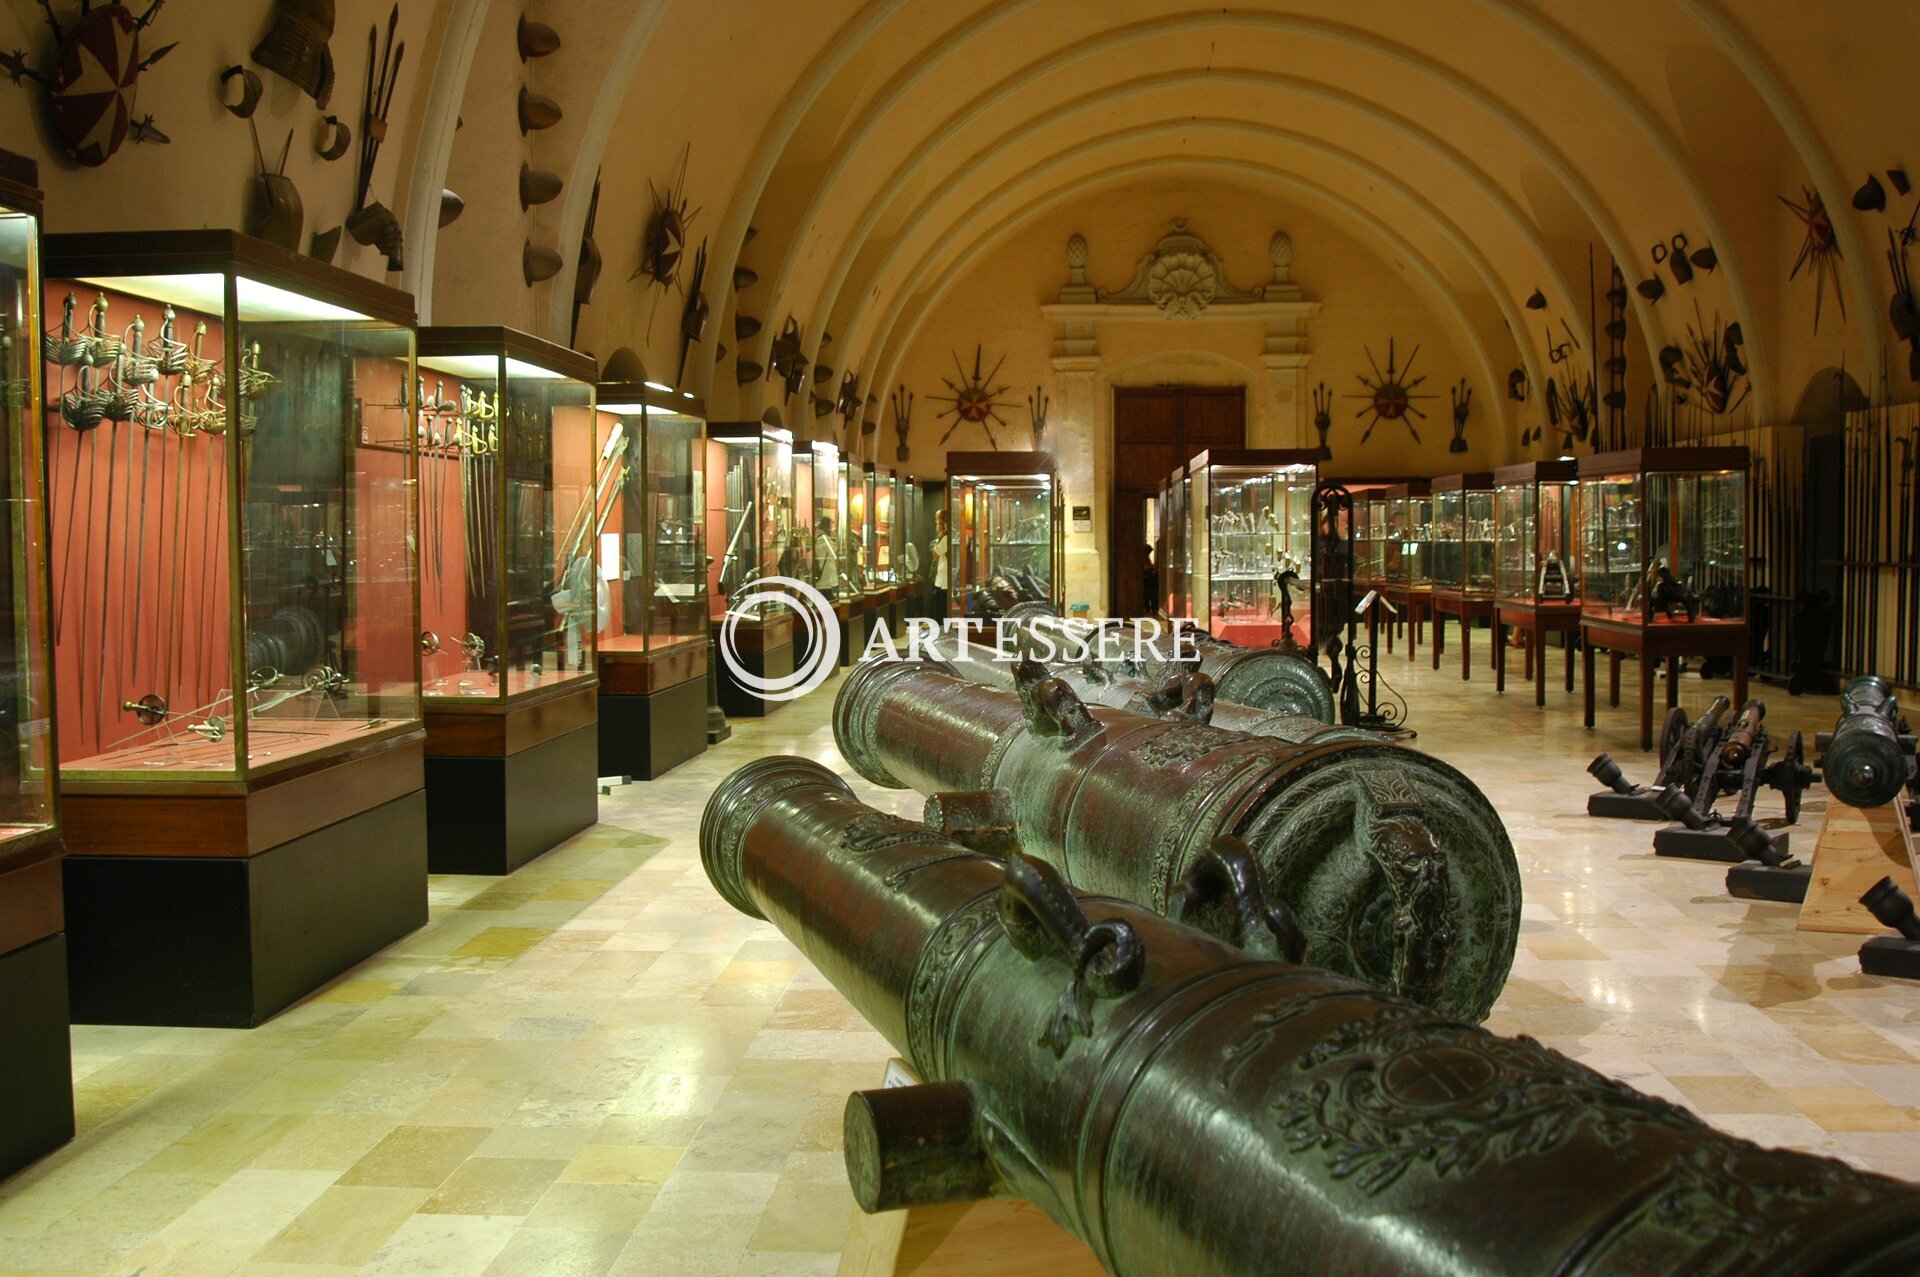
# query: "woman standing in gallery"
[[938, 552]]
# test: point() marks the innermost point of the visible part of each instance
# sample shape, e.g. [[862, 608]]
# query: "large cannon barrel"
[[1397, 865], [1116, 683], [1186, 1107], [1865, 763], [1264, 678]]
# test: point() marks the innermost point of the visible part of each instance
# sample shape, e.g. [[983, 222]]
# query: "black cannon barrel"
[[1117, 684], [1398, 866], [1865, 763], [1187, 1108]]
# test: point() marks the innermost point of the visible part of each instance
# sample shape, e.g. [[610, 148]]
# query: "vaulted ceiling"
[[856, 156]]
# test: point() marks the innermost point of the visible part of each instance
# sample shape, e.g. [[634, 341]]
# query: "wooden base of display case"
[[1662, 641], [225, 941], [765, 650], [653, 708], [36, 1057], [1414, 607], [506, 783], [1536, 621], [1468, 609]]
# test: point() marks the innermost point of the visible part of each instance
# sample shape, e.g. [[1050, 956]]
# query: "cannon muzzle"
[[1185, 1106], [1865, 762]]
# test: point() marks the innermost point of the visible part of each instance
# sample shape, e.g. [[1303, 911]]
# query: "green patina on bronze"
[[1396, 866], [1186, 1106]]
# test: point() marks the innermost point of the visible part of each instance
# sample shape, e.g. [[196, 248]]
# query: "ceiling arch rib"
[[1673, 153], [1432, 70], [1813, 155], [608, 109], [891, 348], [440, 118], [1502, 296], [901, 178]]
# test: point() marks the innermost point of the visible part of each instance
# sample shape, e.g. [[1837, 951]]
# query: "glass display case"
[[1462, 545], [857, 534], [28, 803], [1369, 534], [232, 448], [882, 487], [236, 619], [1661, 537], [1252, 537], [827, 475], [797, 561], [1009, 537], [1533, 530], [1176, 559], [651, 559], [1406, 558], [36, 1053], [749, 505], [510, 597]]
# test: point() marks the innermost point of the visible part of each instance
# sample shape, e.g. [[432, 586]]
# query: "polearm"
[[1186, 1106], [733, 543]]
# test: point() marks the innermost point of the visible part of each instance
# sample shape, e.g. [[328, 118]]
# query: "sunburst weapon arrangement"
[[974, 399], [1819, 251], [1390, 395]]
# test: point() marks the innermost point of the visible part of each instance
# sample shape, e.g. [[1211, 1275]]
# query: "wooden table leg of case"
[[1589, 670], [1539, 670], [1439, 637], [1649, 670], [1499, 655], [1613, 678], [1567, 636], [1466, 647]]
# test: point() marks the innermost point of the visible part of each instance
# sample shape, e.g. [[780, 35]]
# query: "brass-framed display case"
[[1252, 537], [1461, 557], [654, 642], [1176, 541], [1407, 547], [1660, 548], [1536, 588], [829, 521], [36, 1073], [1369, 534], [750, 528], [1008, 520], [236, 621], [1462, 546], [510, 595]]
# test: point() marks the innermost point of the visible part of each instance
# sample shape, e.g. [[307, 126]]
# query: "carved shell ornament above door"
[[1181, 284]]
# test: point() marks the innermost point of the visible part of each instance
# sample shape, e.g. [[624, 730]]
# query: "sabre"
[[577, 529]]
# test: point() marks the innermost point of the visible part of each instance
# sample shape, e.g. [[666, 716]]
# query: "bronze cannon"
[[1867, 759], [1117, 684], [1398, 867], [1262, 678], [1186, 1107]]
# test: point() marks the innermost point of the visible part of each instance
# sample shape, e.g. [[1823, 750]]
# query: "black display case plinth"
[[492, 815], [36, 1060], [763, 650], [648, 736], [227, 941]]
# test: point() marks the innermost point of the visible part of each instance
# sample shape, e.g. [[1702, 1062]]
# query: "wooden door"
[[1156, 428]]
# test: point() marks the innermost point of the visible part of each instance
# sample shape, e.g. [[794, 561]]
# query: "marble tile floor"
[[596, 1067]]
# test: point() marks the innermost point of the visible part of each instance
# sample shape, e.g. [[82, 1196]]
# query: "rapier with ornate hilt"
[[1186, 1106]]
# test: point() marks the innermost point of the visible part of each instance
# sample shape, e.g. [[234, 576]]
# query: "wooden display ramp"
[[1857, 848]]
